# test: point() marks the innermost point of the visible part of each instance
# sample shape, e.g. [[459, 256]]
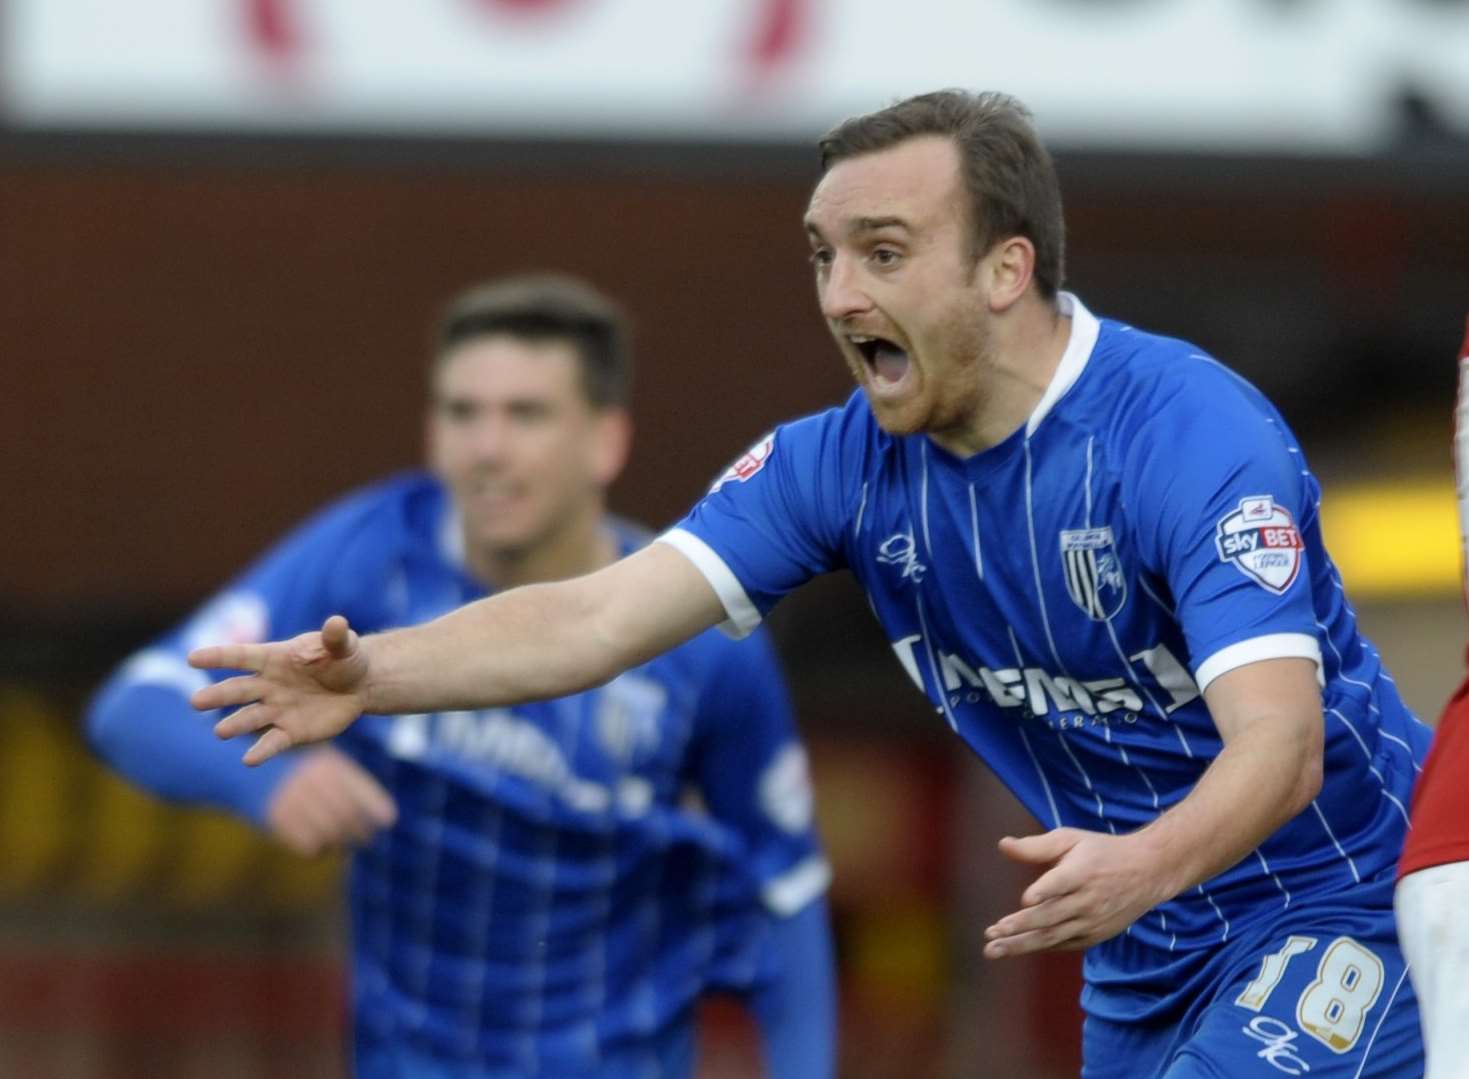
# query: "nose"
[[840, 291], [489, 438]]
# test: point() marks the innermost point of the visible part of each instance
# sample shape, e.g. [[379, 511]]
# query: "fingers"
[[242, 689], [1067, 935], [338, 637], [1055, 883], [247, 720], [1047, 915], [235, 657], [273, 742], [328, 800], [368, 795], [1041, 849]]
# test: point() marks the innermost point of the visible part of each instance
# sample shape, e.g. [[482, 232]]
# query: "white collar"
[[1084, 331]]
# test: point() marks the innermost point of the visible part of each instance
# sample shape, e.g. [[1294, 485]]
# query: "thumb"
[[338, 637], [1043, 849]]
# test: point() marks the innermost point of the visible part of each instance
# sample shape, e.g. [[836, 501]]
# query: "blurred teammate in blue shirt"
[[538, 890], [1098, 553]]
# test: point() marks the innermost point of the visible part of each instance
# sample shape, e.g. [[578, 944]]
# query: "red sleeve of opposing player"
[[1461, 459], [1441, 798]]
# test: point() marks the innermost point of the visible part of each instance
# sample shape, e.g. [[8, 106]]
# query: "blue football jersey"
[[564, 877], [1064, 598]]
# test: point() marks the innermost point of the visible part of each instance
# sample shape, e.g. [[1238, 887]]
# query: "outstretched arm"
[[531, 643]]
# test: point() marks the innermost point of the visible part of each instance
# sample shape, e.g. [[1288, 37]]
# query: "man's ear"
[[1009, 268], [611, 444]]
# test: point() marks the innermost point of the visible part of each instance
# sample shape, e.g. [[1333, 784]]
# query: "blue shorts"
[[1321, 990]]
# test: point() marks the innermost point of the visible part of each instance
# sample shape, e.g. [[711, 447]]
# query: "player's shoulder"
[[1156, 366], [843, 441], [376, 519], [1139, 380], [850, 423]]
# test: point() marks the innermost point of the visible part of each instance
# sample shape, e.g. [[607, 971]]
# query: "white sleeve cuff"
[[797, 886], [744, 616], [1270, 646]]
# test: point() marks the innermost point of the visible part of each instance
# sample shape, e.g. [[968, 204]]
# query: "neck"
[[577, 546], [1012, 375]]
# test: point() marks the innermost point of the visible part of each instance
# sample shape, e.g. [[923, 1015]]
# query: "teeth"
[[860, 339]]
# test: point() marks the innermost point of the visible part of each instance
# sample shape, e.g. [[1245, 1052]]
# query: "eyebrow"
[[864, 224], [873, 224]]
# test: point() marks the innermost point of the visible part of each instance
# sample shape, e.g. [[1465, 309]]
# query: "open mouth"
[[885, 361]]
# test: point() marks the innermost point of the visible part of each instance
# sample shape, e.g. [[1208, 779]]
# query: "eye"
[[530, 412], [821, 257], [457, 410], [885, 257]]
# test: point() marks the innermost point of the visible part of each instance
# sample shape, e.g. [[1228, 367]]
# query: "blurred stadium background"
[[226, 224]]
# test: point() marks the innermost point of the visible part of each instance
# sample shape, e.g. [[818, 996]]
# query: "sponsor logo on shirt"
[[1038, 693], [1261, 539], [498, 739], [1094, 579], [901, 551], [751, 462]]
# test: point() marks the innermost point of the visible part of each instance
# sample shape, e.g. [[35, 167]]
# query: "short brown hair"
[[547, 307], [1009, 176]]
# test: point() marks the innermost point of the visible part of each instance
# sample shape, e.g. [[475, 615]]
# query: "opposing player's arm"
[[530, 643]]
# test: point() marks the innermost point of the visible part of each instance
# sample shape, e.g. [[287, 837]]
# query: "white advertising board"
[[1273, 75]]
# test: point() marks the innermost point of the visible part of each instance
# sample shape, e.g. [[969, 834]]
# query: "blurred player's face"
[[525, 455], [899, 284]]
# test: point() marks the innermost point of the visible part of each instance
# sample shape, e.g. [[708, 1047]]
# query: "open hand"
[[307, 689], [1097, 885]]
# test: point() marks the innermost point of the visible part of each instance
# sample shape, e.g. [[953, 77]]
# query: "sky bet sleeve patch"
[[1261, 539]]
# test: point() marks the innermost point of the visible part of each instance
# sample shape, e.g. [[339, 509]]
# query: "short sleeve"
[[1222, 503], [775, 518]]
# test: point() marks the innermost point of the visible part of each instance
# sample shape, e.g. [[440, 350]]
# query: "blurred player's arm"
[[142, 724], [752, 773], [311, 802], [531, 643]]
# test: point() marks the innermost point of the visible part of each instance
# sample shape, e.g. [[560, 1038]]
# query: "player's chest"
[[636, 724], [1025, 563]]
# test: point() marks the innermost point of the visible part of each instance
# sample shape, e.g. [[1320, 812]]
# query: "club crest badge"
[[1261, 539], [1094, 578]]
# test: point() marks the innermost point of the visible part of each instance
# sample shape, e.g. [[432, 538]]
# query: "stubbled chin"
[[901, 417]]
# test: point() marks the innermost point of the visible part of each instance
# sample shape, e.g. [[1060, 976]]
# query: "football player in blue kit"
[[533, 891], [1095, 549]]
